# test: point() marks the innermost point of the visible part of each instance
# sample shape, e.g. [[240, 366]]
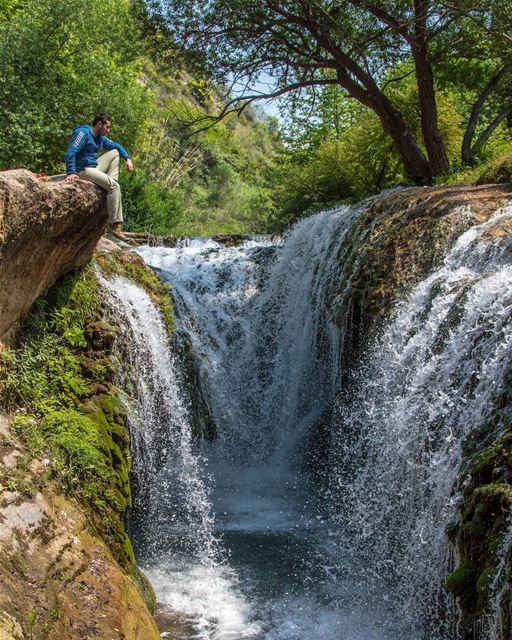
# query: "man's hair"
[[101, 117]]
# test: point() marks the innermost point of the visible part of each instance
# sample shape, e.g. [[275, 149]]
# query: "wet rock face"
[[400, 238], [46, 230]]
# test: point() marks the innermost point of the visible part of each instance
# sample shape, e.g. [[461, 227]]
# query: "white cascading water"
[[432, 378], [173, 522], [270, 553], [269, 362]]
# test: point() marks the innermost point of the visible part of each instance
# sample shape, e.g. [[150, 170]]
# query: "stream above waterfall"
[[242, 536]]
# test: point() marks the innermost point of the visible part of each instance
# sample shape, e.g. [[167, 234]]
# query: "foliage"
[[60, 62], [354, 48], [344, 155], [149, 205], [218, 181], [498, 170], [494, 166], [46, 372]]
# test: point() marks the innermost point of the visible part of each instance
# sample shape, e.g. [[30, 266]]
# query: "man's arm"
[[110, 144], [76, 143]]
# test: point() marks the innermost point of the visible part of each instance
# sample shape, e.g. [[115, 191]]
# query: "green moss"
[[59, 382], [461, 581], [484, 582], [132, 266], [146, 589], [45, 373]]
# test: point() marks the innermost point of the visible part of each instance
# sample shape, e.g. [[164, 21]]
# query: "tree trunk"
[[486, 134], [363, 87], [416, 165], [467, 153], [432, 137]]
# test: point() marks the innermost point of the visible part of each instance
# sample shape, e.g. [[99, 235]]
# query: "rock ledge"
[[46, 230]]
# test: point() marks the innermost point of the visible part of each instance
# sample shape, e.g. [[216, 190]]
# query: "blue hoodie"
[[84, 147]]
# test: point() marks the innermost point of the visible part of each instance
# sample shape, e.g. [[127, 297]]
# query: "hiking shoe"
[[116, 230]]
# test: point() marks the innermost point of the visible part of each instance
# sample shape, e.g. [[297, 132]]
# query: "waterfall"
[[433, 377], [172, 524], [255, 315], [240, 539], [159, 427]]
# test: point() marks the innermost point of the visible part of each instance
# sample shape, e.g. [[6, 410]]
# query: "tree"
[[315, 43], [502, 79]]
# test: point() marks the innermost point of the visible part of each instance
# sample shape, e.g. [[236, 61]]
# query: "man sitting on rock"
[[82, 162]]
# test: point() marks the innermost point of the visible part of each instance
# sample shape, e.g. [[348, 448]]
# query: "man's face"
[[104, 128]]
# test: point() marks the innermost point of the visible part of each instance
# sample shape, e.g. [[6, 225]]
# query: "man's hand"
[[129, 165], [72, 177]]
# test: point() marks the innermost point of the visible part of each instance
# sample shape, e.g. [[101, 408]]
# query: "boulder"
[[47, 229], [58, 579]]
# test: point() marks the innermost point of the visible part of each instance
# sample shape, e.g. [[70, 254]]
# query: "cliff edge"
[[46, 230]]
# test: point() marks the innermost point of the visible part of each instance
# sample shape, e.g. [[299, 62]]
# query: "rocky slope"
[[67, 569]]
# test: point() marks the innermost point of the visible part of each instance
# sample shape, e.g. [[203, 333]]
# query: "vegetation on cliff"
[[58, 382]]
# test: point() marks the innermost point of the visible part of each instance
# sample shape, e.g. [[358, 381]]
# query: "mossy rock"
[[145, 587], [61, 373], [462, 583], [484, 582], [397, 240], [100, 335], [486, 485]]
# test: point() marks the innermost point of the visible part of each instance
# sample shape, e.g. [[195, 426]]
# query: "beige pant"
[[106, 176]]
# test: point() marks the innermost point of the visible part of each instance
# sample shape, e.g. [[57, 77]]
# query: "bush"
[[149, 206], [498, 171]]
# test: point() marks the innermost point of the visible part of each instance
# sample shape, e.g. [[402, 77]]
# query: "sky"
[[264, 84]]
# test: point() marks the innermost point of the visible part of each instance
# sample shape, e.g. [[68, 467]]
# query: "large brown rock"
[[58, 580], [46, 230]]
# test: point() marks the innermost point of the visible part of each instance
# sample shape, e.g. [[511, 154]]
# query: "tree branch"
[[467, 152], [239, 104], [486, 134]]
